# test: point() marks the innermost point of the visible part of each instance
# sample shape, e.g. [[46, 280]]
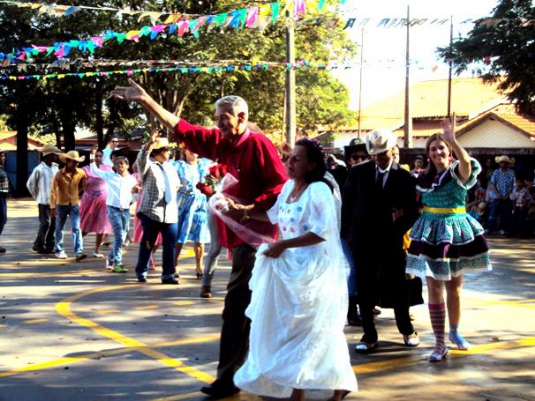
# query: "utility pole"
[[360, 81], [290, 109], [450, 63], [407, 143]]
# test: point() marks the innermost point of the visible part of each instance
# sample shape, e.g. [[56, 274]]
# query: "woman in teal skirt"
[[446, 242], [192, 208]]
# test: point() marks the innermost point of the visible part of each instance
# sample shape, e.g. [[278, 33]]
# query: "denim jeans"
[[502, 209], [151, 229], [120, 223], [62, 211], [210, 261]]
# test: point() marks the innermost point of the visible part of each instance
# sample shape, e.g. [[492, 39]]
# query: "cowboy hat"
[[71, 155], [49, 150], [162, 142], [355, 145], [503, 159], [380, 141]]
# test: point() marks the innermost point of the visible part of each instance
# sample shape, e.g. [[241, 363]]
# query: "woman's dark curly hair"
[[315, 154]]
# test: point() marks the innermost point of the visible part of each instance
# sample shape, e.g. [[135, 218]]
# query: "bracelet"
[[91, 157]]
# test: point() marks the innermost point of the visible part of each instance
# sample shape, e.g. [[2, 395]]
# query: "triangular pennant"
[[252, 15], [275, 10]]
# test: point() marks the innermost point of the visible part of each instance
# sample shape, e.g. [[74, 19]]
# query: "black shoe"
[[355, 320], [218, 391], [141, 279], [169, 281], [363, 347]]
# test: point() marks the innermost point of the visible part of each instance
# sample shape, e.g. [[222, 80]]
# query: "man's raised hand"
[[132, 93]]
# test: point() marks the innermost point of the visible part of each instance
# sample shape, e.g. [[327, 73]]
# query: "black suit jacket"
[[367, 216]]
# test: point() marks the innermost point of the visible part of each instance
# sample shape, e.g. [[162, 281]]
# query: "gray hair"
[[233, 104]]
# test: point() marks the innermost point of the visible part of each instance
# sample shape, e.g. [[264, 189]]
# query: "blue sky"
[[384, 48]]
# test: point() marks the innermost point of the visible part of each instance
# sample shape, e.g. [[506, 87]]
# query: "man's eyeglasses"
[[115, 141], [358, 157]]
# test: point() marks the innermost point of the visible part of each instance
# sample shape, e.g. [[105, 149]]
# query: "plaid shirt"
[[40, 182], [4, 181], [153, 203], [521, 198]]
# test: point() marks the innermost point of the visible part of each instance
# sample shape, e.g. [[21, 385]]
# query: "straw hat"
[[380, 141], [71, 155], [503, 159], [49, 150], [161, 142]]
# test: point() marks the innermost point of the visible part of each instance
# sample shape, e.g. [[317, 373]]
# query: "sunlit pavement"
[[74, 331]]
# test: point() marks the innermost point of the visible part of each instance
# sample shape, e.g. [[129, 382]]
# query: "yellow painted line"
[[184, 303], [381, 366], [63, 308], [146, 307], [187, 253], [242, 397], [196, 340], [62, 361], [108, 312], [33, 321], [40, 366], [527, 303], [102, 354], [180, 397], [215, 299], [50, 274]]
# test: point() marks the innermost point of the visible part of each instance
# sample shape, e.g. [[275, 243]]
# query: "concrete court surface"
[[74, 331]]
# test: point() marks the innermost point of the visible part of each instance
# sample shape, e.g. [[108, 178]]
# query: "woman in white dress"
[[299, 292]]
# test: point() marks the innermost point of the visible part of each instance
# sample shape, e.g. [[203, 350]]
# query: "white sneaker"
[[109, 264], [501, 232], [98, 255], [61, 255], [412, 340]]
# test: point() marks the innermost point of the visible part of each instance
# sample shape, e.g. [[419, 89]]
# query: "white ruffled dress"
[[299, 304]]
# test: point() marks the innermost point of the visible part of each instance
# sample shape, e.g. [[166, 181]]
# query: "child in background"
[[521, 198], [120, 195], [477, 208]]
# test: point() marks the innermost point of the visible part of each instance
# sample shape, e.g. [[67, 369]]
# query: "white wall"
[[495, 134]]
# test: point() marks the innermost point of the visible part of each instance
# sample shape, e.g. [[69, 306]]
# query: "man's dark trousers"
[[234, 343], [47, 226]]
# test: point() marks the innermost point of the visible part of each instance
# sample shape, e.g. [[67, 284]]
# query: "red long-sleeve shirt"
[[253, 161]]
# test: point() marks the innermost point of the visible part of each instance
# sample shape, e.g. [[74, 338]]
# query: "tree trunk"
[[99, 123], [22, 151]]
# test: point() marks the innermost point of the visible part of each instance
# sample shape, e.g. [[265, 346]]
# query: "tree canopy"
[[71, 101], [503, 47]]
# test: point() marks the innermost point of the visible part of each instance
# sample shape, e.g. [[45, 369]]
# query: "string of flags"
[[189, 67], [255, 17]]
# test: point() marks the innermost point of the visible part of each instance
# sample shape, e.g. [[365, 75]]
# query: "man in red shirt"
[[253, 160]]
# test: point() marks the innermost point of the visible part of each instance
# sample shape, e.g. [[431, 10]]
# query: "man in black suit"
[[379, 207]]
